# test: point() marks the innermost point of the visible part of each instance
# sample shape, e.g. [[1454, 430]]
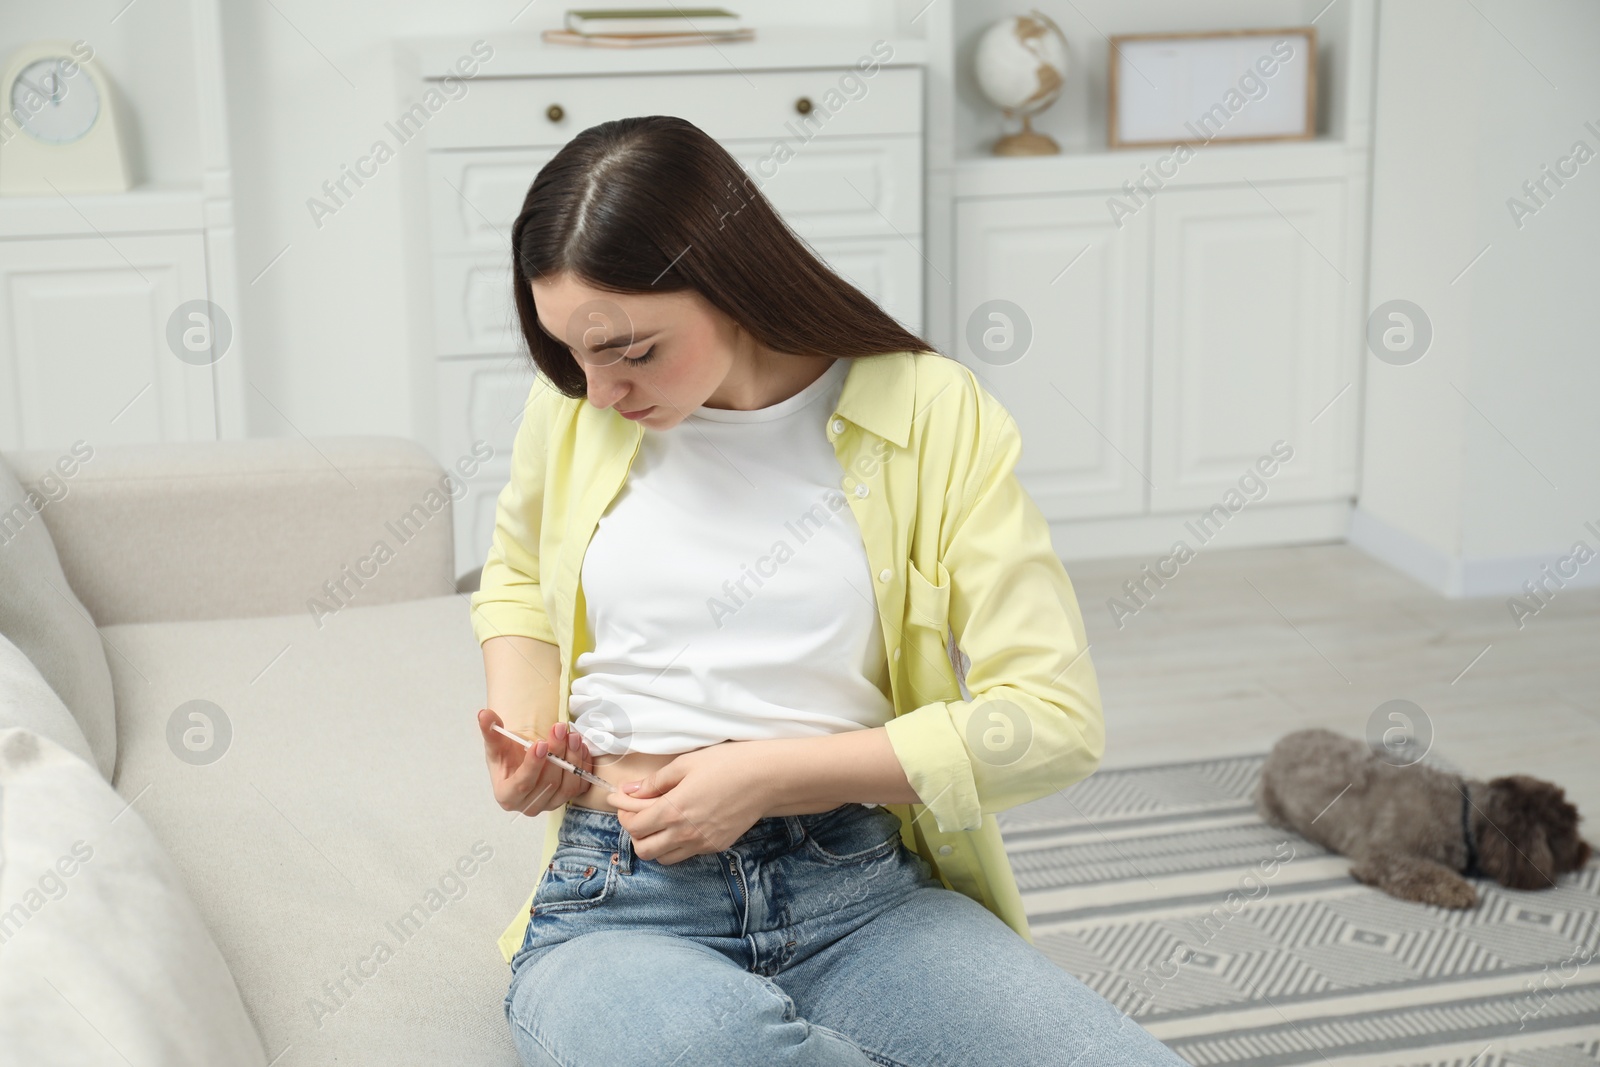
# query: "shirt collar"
[[879, 393]]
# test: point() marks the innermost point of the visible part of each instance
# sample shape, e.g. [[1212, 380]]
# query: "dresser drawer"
[[480, 410], [515, 112], [835, 188], [473, 310], [480, 403]]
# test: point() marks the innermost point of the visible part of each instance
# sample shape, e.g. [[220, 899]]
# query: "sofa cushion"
[[330, 806], [42, 615], [27, 700], [106, 959], [161, 531]]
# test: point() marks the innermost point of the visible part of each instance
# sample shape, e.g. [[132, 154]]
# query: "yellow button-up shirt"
[[964, 574]]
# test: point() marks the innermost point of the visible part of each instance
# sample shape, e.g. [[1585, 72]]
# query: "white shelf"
[[143, 209], [521, 55], [1108, 170]]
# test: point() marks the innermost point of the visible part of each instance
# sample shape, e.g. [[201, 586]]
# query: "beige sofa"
[[261, 647]]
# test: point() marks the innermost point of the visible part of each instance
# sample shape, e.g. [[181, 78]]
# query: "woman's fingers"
[[496, 746], [527, 781], [578, 756], [551, 784], [543, 784], [523, 779], [525, 776]]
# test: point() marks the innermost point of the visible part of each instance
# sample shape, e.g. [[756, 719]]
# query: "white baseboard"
[[1459, 576], [1154, 535]]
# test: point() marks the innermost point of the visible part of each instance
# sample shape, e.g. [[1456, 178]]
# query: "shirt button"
[[885, 574], [861, 489], [945, 850], [838, 426], [896, 653]]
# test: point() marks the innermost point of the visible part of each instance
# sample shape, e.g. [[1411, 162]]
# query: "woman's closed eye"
[[649, 355]]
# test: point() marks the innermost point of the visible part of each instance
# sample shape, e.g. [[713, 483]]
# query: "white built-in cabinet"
[[1169, 352], [1179, 334]]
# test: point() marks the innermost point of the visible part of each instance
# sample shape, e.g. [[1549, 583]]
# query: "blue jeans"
[[815, 940]]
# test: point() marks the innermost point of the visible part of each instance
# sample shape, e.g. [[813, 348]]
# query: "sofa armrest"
[[226, 529]]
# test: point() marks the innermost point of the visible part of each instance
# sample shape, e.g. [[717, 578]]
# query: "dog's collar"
[[1472, 870]]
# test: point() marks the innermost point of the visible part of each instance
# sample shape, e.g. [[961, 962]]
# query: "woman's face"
[[669, 351]]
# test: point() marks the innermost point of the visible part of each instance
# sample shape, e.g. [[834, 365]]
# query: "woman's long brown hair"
[[653, 204]]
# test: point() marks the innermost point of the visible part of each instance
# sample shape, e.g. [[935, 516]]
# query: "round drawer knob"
[[945, 850], [803, 105], [554, 113]]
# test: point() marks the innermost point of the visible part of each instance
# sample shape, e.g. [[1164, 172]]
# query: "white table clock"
[[61, 128]]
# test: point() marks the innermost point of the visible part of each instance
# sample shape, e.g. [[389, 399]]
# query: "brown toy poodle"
[[1414, 830]]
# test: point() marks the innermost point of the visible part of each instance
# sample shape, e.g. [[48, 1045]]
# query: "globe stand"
[[1027, 142]]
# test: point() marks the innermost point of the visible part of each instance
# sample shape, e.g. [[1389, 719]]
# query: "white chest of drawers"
[[837, 150]]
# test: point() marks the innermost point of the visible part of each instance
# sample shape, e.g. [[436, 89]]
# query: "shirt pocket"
[[927, 661], [928, 602]]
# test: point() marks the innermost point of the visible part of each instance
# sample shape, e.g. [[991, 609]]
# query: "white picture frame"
[[1233, 86]]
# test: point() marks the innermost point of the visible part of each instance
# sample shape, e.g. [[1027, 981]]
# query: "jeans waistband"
[[594, 828]]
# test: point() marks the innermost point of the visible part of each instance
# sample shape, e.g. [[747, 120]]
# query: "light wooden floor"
[[1244, 645]]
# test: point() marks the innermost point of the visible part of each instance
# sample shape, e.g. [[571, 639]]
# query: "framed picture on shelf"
[[1227, 85]]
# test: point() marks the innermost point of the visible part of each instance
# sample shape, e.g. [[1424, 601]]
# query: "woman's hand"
[[523, 779], [703, 801]]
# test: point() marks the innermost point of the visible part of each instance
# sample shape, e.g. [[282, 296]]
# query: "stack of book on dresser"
[[635, 27]]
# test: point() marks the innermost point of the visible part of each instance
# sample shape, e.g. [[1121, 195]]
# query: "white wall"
[[1480, 460]]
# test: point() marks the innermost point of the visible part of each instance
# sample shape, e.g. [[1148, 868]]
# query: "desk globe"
[[1021, 65]]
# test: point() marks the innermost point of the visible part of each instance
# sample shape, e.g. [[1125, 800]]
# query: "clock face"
[[53, 106]]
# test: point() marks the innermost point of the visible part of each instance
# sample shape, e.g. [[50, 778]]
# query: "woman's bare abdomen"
[[620, 770]]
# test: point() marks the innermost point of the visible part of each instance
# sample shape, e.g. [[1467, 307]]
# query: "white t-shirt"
[[727, 588]]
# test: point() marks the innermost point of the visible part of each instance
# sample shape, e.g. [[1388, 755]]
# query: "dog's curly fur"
[[1402, 825]]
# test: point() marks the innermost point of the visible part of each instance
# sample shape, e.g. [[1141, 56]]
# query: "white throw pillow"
[[41, 615], [103, 956], [26, 699]]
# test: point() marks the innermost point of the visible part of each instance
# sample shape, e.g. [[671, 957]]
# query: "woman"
[[797, 860]]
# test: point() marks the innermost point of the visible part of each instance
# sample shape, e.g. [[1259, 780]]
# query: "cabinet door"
[[1078, 390], [84, 349], [1248, 345]]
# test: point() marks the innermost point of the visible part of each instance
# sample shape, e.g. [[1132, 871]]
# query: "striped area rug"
[[1240, 944]]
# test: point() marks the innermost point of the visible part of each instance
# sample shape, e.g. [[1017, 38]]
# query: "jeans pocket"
[[576, 879], [861, 835]]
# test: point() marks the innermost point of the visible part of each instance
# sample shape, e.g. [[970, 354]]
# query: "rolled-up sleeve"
[[1034, 723], [509, 599]]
